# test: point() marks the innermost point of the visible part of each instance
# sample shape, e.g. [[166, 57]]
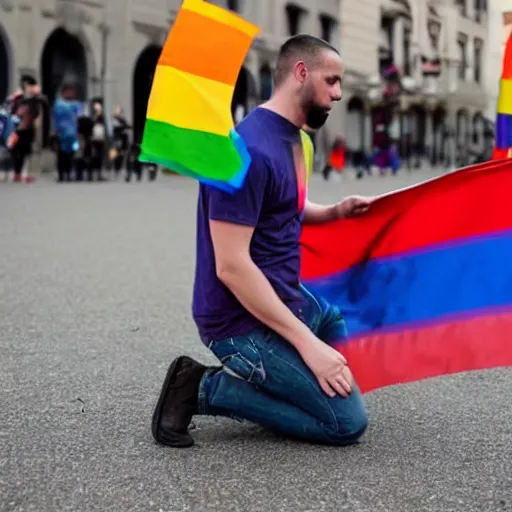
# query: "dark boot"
[[177, 403]]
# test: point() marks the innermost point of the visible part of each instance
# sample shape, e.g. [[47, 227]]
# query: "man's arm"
[[318, 213], [351, 206], [238, 272]]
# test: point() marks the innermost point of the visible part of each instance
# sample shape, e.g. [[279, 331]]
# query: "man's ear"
[[301, 72]]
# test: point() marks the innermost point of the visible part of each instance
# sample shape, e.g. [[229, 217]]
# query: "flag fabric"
[[189, 127], [424, 279], [503, 144]]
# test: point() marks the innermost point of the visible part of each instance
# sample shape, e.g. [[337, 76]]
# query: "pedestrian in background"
[[26, 109], [335, 158], [65, 123], [98, 139]]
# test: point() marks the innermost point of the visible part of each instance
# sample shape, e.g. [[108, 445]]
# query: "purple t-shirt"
[[271, 200]]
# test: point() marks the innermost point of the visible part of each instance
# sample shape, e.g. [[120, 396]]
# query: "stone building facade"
[[437, 48]]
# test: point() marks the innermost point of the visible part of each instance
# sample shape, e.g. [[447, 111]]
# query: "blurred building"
[[111, 47], [424, 57]]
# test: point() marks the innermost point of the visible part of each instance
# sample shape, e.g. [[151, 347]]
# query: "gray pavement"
[[95, 292]]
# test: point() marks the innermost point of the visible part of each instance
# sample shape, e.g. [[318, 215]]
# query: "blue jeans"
[[273, 386]]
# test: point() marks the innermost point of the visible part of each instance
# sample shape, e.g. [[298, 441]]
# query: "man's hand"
[[353, 206], [330, 368]]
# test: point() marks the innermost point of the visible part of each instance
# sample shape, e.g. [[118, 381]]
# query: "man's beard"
[[316, 116]]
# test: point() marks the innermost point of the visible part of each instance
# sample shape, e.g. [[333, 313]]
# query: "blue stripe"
[[448, 280], [503, 131]]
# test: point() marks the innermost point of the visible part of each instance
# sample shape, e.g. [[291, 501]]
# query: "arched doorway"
[[245, 95], [142, 81], [5, 67], [418, 133], [63, 58], [462, 137], [265, 82], [439, 141], [240, 96], [354, 135], [478, 132]]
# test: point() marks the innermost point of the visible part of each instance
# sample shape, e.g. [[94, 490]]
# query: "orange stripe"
[[217, 13], [216, 51]]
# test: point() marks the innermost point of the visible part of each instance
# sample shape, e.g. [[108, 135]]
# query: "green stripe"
[[190, 152]]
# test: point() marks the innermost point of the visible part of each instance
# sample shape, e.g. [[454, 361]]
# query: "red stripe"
[[469, 202], [381, 360], [499, 154], [507, 59]]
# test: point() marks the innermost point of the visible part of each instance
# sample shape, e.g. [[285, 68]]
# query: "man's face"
[[29, 90], [69, 93], [321, 88], [25, 86]]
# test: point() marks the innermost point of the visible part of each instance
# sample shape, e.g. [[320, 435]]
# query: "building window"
[[478, 10], [386, 31], [233, 5], [328, 25], [434, 29], [294, 15], [265, 82], [385, 43], [407, 52], [463, 7], [477, 57], [462, 41]]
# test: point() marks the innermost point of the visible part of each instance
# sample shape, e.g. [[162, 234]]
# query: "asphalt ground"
[[95, 294]]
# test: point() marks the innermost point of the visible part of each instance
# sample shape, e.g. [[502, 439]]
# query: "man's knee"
[[350, 424], [352, 430]]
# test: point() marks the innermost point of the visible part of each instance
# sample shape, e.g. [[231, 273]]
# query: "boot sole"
[[174, 439]]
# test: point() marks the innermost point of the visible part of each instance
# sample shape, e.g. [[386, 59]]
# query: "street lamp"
[[104, 30], [444, 86], [451, 65]]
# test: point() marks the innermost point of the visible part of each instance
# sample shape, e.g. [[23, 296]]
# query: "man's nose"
[[336, 95]]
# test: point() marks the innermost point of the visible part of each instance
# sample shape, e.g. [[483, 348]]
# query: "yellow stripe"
[[221, 15], [309, 153], [189, 101], [505, 100]]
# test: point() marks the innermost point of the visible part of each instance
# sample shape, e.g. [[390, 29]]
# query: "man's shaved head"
[[302, 47], [307, 79]]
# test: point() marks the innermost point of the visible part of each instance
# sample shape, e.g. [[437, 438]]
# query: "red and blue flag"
[[424, 279]]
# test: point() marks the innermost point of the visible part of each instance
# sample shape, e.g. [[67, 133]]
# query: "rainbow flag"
[[503, 145], [424, 279], [189, 128]]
